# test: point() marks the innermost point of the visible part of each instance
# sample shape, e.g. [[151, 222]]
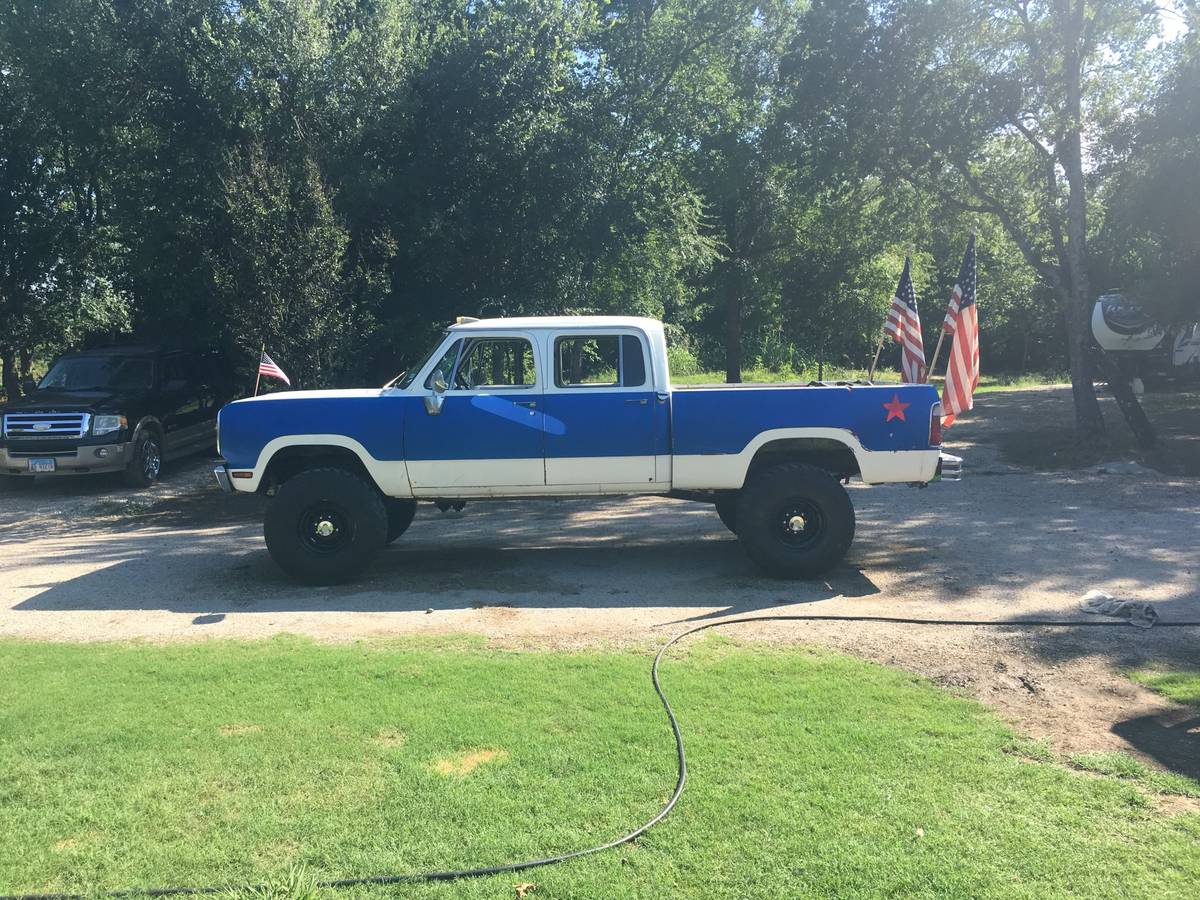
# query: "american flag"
[[962, 321], [266, 366], [904, 325]]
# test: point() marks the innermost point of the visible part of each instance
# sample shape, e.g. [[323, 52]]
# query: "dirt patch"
[[239, 728], [464, 763], [1174, 805], [1043, 438], [390, 738]]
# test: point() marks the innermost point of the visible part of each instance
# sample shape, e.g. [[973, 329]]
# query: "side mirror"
[[28, 387], [433, 402]]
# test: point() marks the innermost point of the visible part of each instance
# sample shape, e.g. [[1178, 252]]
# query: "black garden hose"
[[680, 781]]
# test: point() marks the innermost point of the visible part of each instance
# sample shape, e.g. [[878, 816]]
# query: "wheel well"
[[151, 426], [831, 455], [291, 461], [154, 427]]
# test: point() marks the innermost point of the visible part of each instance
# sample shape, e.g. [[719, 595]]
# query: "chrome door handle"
[[529, 404], [641, 402]]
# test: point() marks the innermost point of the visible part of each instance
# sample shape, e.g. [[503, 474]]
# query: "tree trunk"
[[1089, 423], [11, 380], [733, 330], [26, 358]]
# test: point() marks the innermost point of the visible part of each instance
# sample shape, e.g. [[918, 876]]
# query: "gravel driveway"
[[84, 560]]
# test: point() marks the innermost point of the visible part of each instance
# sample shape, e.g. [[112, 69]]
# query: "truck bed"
[[725, 418]]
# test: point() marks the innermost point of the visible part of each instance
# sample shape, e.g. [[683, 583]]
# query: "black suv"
[[116, 409]]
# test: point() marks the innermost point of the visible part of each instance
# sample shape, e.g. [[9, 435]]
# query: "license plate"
[[41, 465]]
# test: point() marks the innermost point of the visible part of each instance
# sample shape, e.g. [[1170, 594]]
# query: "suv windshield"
[[84, 373]]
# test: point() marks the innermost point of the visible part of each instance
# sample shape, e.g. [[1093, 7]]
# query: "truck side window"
[[495, 363], [608, 360], [633, 364], [445, 366]]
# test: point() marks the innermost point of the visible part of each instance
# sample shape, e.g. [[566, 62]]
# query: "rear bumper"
[[949, 468], [84, 460]]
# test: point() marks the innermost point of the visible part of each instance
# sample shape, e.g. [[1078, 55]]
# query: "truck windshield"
[[92, 373], [405, 378]]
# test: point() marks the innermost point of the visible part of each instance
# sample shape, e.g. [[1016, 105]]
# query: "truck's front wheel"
[[325, 525], [795, 520]]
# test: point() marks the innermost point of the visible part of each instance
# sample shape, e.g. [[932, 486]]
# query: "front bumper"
[[222, 475], [949, 468], [86, 459]]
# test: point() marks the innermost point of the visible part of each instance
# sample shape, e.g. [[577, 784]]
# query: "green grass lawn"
[[1180, 685], [812, 774]]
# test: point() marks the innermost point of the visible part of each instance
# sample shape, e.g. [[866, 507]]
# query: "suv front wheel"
[[325, 525], [146, 463]]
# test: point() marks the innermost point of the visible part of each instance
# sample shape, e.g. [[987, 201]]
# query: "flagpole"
[[258, 368], [875, 361], [937, 351]]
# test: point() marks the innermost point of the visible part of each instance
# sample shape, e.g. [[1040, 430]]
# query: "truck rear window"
[[607, 360]]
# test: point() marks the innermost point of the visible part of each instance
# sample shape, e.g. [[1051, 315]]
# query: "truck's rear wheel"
[[399, 516], [325, 525], [794, 520], [727, 511]]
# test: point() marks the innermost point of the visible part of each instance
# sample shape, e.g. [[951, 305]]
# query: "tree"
[[279, 275], [57, 251], [1153, 204], [997, 108]]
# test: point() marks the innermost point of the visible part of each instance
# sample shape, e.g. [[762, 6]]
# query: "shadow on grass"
[[1173, 741]]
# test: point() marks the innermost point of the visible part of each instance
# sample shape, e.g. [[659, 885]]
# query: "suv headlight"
[[107, 424]]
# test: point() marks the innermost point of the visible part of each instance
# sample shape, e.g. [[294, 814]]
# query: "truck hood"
[[337, 394], [74, 401]]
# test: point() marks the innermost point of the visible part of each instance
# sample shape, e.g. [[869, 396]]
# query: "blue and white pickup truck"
[[571, 406]]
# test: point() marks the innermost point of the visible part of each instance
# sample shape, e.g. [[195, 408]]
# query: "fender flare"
[[727, 471], [390, 476]]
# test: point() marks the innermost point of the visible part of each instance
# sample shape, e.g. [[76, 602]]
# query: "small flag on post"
[[904, 325], [962, 321], [267, 366]]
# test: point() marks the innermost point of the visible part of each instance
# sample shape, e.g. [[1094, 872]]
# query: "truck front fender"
[[390, 476]]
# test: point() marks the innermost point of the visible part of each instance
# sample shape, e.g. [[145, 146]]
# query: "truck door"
[[600, 410], [488, 433], [182, 409]]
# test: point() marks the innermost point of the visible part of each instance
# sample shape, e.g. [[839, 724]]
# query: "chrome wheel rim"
[[151, 460]]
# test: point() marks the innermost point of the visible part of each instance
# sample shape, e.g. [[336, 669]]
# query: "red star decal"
[[895, 409]]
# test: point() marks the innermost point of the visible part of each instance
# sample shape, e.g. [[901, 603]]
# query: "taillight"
[[935, 425]]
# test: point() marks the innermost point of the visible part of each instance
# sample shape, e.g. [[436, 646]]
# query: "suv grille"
[[49, 424]]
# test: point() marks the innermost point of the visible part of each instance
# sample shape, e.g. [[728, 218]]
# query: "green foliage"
[[1153, 210], [283, 762], [342, 178], [279, 282]]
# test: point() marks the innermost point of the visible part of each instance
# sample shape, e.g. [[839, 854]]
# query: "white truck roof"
[[650, 326]]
